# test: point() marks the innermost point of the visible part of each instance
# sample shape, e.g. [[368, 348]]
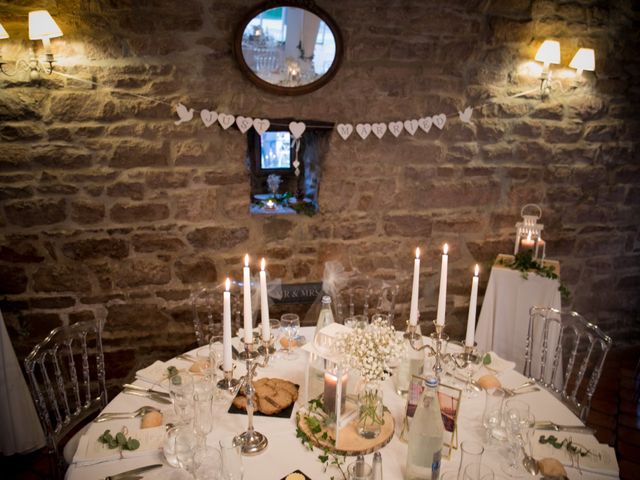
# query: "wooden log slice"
[[350, 442]]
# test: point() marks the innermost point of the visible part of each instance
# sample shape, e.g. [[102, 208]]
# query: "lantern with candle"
[[528, 231]]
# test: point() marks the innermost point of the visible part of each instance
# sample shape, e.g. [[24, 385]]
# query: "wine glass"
[[472, 365], [516, 415], [290, 323], [478, 471], [232, 468], [276, 332], [180, 387], [492, 415], [203, 409]]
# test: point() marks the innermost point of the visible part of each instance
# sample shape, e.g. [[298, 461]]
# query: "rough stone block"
[[86, 213], [156, 242], [29, 213], [96, 248], [196, 270], [134, 213], [140, 272], [196, 205], [172, 179], [61, 278], [12, 279], [132, 190], [139, 153], [408, 225], [218, 237]]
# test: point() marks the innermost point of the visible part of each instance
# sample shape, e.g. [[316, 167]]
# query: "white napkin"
[[154, 373], [90, 451], [602, 462], [499, 364]]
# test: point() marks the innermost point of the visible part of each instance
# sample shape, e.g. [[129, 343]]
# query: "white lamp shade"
[[584, 59], [549, 52], [3, 32], [41, 26]]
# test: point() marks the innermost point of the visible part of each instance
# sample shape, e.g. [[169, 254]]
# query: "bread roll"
[[489, 381], [550, 467], [199, 366], [151, 419]]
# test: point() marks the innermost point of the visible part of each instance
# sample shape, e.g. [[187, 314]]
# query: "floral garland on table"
[[524, 262]]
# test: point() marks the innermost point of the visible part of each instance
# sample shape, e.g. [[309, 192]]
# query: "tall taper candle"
[[264, 302], [413, 313], [246, 293], [442, 297], [473, 303], [226, 327]]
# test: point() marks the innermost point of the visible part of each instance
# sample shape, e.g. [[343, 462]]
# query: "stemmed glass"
[[290, 323], [473, 364], [516, 415], [276, 332], [203, 409], [180, 387]]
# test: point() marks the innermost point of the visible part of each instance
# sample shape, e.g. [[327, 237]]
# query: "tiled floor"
[[615, 414]]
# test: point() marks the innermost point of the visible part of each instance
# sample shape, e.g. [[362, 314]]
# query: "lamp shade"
[[584, 59], [3, 32], [42, 26], [549, 52]]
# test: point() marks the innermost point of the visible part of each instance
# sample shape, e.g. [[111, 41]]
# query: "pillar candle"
[[413, 314], [246, 293], [442, 297], [264, 303], [527, 243], [473, 303], [226, 327], [330, 391]]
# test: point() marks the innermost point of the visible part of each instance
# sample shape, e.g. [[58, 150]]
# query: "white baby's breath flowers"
[[371, 350]]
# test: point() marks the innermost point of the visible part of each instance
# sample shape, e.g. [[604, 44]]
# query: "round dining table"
[[285, 453]]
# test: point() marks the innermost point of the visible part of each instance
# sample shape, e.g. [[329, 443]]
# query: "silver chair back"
[[562, 345], [66, 373], [206, 304], [366, 300]]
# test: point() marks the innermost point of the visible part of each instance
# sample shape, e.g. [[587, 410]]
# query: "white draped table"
[[285, 453]]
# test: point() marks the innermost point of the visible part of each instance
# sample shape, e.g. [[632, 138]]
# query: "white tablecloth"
[[504, 317], [21, 429], [286, 454]]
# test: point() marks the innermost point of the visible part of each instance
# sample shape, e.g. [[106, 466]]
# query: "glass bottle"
[[425, 436], [323, 342], [411, 363]]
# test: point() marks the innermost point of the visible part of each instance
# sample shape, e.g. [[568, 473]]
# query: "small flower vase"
[[370, 410]]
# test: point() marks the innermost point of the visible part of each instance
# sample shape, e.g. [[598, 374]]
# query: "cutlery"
[[130, 474], [474, 384], [187, 357], [103, 417], [529, 463], [511, 393], [153, 396], [147, 390], [563, 428]]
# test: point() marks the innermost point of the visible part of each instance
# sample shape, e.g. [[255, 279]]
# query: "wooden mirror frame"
[[308, 5]]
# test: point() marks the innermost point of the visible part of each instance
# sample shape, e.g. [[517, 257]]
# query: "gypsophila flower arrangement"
[[371, 350]]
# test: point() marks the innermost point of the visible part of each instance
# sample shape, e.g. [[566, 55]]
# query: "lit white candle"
[[442, 297], [226, 327], [473, 303], [413, 313], [264, 302], [246, 293], [527, 243]]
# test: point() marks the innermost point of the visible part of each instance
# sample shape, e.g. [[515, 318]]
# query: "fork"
[[103, 417]]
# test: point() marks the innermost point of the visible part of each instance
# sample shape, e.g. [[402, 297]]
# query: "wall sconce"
[[584, 59], [41, 27], [549, 53]]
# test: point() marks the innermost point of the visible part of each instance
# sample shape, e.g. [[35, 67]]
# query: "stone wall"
[[105, 202]]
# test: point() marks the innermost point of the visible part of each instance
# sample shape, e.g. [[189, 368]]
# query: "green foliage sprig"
[[119, 441], [571, 447], [524, 262]]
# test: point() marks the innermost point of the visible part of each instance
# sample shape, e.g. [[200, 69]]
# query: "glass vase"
[[370, 410]]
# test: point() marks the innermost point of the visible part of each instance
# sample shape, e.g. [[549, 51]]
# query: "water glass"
[[180, 387], [216, 352], [290, 323], [186, 446], [478, 471], [356, 321], [205, 362], [360, 470], [169, 446], [471, 452], [232, 468], [276, 333], [492, 415], [208, 464]]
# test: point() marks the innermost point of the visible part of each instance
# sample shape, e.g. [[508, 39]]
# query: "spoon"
[[103, 417], [529, 463]]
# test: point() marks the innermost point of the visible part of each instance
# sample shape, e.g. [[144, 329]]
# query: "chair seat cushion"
[[72, 445]]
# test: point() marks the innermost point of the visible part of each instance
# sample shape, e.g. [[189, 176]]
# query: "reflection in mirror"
[[289, 47]]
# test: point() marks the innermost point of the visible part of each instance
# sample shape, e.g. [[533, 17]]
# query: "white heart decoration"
[[411, 126], [465, 117], [244, 123], [208, 117], [261, 125], [439, 120], [226, 120], [425, 123], [379, 129], [344, 130], [297, 129], [363, 129], [395, 128]]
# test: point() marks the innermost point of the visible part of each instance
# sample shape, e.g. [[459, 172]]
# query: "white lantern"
[[529, 232]]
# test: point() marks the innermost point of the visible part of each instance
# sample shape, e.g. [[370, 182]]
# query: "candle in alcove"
[[442, 297], [473, 303], [330, 391], [527, 243], [264, 303], [246, 293], [413, 313], [226, 327]]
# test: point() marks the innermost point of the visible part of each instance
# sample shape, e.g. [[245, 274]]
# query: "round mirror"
[[288, 47]]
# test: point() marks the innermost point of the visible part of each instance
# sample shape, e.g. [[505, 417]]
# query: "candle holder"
[[228, 382], [469, 355], [250, 441], [248, 350], [267, 345], [439, 338]]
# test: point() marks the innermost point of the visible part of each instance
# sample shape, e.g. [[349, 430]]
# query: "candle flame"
[[418, 252], [227, 284], [445, 249], [246, 260], [262, 264], [476, 271]]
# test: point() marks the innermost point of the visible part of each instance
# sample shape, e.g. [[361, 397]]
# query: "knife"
[[152, 396], [130, 473], [563, 428], [147, 390]]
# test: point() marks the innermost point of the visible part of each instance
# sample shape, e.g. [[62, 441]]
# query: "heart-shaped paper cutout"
[[395, 128], [344, 130], [261, 125], [226, 120], [363, 129], [411, 126], [208, 117], [297, 129], [425, 123], [244, 123], [379, 129], [439, 120]]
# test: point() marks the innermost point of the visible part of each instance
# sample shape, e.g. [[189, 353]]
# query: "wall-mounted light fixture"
[[41, 27], [549, 53]]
